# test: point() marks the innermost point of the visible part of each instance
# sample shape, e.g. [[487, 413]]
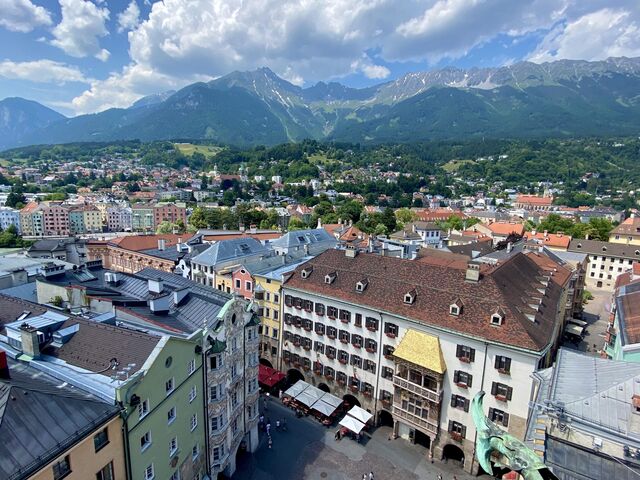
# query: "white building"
[[119, 219], [413, 343], [9, 216]]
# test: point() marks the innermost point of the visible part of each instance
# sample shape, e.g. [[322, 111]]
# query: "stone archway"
[[385, 419], [350, 401], [324, 387], [453, 452], [293, 375], [266, 363]]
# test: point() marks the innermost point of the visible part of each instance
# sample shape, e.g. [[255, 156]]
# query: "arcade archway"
[[350, 401], [453, 452], [266, 363], [385, 419], [324, 387], [293, 375]]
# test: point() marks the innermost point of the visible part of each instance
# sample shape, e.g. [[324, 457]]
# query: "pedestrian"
[[268, 428], [370, 475], [270, 442], [337, 435], [364, 476], [278, 425], [284, 424], [439, 477]]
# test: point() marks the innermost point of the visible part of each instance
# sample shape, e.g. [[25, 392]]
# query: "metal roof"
[[228, 250]]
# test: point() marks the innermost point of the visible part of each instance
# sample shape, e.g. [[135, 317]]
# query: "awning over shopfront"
[[352, 424], [360, 414], [573, 329], [269, 376], [314, 398]]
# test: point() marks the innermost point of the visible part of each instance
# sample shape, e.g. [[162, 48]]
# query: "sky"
[[84, 56]]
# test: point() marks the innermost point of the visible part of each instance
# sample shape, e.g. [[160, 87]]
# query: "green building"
[[622, 338]]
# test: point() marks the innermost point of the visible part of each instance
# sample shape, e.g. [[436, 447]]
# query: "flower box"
[[372, 328], [307, 347], [308, 329], [370, 349], [328, 376], [390, 334], [389, 356], [341, 382], [344, 340], [367, 393], [462, 385], [353, 388], [456, 436], [465, 359], [318, 372], [356, 345], [319, 332], [343, 361], [344, 320], [331, 336], [331, 356], [306, 368], [501, 398], [296, 364], [386, 403], [504, 371]]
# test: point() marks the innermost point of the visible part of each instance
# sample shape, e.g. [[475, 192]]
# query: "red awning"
[[269, 376]]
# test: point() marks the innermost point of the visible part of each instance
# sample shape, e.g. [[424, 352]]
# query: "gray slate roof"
[[597, 247], [228, 250], [297, 238], [40, 417]]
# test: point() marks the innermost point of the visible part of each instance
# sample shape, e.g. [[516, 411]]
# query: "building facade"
[[384, 334], [606, 261], [9, 216]]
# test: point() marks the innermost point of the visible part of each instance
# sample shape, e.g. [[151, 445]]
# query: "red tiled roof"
[[146, 242], [506, 228], [534, 200], [510, 286], [631, 226], [559, 240]]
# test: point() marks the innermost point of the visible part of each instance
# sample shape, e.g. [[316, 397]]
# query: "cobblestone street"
[[308, 451]]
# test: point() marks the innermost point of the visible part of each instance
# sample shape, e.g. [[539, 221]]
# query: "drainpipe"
[[244, 383], [378, 369], [125, 436], [205, 395], [484, 368]]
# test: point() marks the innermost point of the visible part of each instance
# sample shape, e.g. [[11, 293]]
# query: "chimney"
[[509, 247], [253, 229], [533, 232], [473, 272], [319, 223], [155, 286], [546, 233], [161, 244], [30, 342], [4, 367], [350, 252]]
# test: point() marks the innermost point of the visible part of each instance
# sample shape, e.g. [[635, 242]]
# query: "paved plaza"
[[308, 451]]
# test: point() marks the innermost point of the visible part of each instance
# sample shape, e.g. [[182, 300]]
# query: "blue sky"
[[83, 56]]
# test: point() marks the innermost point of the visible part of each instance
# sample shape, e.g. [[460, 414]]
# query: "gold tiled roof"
[[421, 349]]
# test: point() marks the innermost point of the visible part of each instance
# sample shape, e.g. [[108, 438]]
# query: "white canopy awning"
[[352, 424], [323, 408], [309, 396], [297, 388], [360, 414], [331, 400], [573, 329]]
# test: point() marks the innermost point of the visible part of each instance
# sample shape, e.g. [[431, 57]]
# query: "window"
[[462, 379], [100, 439], [106, 473], [454, 309], [343, 357], [194, 422], [288, 300], [330, 351], [173, 446], [358, 320], [218, 453], [175, 475], [191, 367], [274, 332], [356, 340], [168, 386], [387, 372], [248, 286], [496, 319], [195, 451], [145, 441], [216, 362], [318, 347], [143, 409], [457, 430], [370, 366], [344, 336], [391, 330], [415, 406], [148, 473], [61, 468], [465, 354], [217, 422], [276, 298], [371, 324], [297, 302], [498, 416], [356, 361], [308, 305], [410, 297], [370, 345], [501, 391], [332, 332], [330, 278], [171, 415], [345, 316], [387, 351], [216, 392], [332, 312], [319, 328], [238, 283], [319, 309], [458, 401], [503, 364], [192, 393]]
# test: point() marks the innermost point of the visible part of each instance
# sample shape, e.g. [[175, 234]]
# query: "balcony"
[[419, 422], [430, 395]]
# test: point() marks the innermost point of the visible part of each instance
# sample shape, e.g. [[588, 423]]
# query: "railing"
[[414, 420], [417, 389]]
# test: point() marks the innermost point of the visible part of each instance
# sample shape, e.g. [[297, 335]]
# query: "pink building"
[[169, 212], [56, 219], [243, 283]]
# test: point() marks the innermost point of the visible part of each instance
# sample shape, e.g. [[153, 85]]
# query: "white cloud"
[[129, 18], [42, 71], [311, 40], [594, 36], [83, 23], [23, 16]]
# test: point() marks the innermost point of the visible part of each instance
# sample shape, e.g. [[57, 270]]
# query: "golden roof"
[[421, 349]]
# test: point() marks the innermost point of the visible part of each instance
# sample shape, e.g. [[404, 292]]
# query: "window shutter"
[[505, 420], [466, 404], [451, 425], [458, 351], [456, 376], [470, 377], [494, 388], [472, 354], [496, 364], [491, 414], [464, 431], [509, 393], [453, 400], [507, 364]]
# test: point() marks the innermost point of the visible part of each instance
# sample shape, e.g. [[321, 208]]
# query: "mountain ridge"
[[561, 98]]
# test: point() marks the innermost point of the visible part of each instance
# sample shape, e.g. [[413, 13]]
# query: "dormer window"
[[329, 278], [361, 285], [455, 308], [604, 249], [496, 319], [410, 297], [306, 272]]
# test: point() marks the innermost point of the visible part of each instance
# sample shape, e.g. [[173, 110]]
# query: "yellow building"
[[51, 431], [92, 219], [628, 232]]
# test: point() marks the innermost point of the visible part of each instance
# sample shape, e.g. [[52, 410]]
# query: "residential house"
[[142, 218], [628, 232], [414, 343], [119, 219], [533, 202], [622, 337], [303, 242], [9, 216], [553, 241], [169, 212], [32, 220]]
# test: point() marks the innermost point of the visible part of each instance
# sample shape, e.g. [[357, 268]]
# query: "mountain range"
[[555, 99]]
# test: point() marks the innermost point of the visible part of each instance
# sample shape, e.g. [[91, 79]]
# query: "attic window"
[[306, 272], [361, 285], [604, 249], [579, 245], [637, 252], [455, 308], [496, 319], [410, 297], [329, 278]]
